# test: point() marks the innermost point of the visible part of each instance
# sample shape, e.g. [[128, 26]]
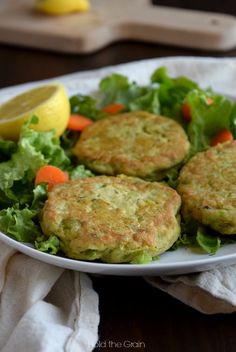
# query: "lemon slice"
[[60, 7], [49, 103]]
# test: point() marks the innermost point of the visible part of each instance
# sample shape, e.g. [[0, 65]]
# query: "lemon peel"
[[49, 103], [61, 7]]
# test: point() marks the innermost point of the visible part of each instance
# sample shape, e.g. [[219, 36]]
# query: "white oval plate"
[[214, 72], [181, 261]]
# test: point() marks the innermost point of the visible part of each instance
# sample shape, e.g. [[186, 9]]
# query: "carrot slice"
[[78, 122], [51, 175], [223, 136], [209, 101], [113, 108]]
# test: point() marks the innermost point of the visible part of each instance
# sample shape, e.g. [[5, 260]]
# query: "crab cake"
[[207, 185], [136, 144], [114, 219]]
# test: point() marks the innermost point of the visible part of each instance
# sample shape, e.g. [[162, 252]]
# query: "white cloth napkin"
[[210, 292], [44, 308]]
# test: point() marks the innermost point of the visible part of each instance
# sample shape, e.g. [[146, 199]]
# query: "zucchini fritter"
[[207, 185], [114, 219], [135, 144]]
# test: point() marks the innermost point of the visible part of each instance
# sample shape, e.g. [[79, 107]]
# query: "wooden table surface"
[[131, 310]]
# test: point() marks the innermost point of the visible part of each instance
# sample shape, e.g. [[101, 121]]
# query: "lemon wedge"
[[61, 7], [49, 103]]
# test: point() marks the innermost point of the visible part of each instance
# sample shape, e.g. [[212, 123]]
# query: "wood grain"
[[109, 21]]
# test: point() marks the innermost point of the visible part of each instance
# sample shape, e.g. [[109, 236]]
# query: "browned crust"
[[207, 185], [105, 213], [136, 144]]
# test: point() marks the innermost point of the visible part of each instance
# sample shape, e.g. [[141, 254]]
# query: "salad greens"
[[21, 201], [165, 95], [208, 120], [117, 88], [86, 106]]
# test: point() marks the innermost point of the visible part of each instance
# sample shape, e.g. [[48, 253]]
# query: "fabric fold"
[[210, 292], [45, 308]]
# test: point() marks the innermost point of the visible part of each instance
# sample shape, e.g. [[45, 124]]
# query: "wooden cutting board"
[[113, 20]]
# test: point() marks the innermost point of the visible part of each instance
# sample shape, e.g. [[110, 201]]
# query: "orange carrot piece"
[[78, 122], [223, 136], [186, 112], [113, 108], [209, 101], [51, 175]]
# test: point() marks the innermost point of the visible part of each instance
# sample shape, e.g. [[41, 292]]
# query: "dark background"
[[131, 310], [227, 6], [18, 65]]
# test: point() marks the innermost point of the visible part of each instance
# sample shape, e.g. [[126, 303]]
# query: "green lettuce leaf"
[[207, 120], [195, 235], [80, 172], [85, 105], [19, 224], [117, 88], [49, 244], [39, 197], [172, 92], [43, 147], [7, 148], [209, 243], [147, 102]]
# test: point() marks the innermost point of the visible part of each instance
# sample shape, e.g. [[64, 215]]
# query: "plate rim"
[[154, 268]]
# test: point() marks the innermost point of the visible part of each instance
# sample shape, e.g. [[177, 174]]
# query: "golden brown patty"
[[115, 219], [207, 185], [136, 144]]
